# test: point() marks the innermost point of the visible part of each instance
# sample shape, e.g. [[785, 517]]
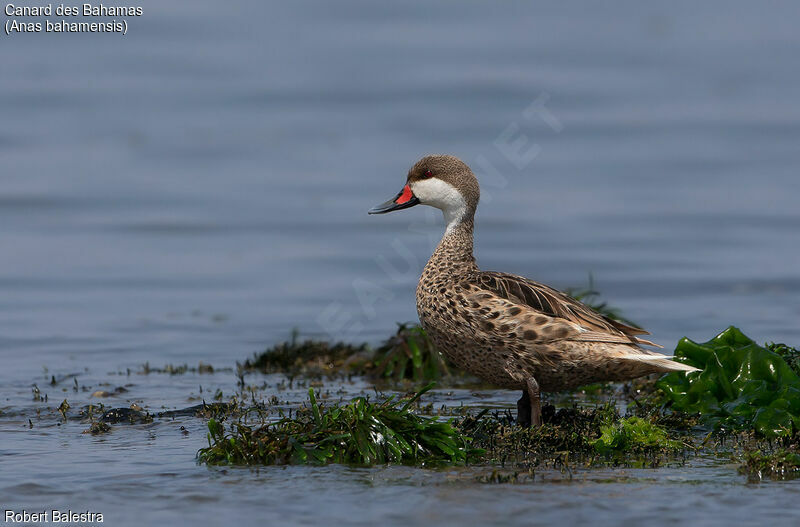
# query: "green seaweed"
[[408, 355], [411, 355], [359, 432], [743, 386], [180, 369], [97, 428], [783, 464], [63, 408], [566, 433], [311, 358], [589, 436], [501, 477], [634, 434], [789, 354]]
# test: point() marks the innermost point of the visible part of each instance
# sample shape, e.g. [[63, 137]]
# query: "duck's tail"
[[663, 362]]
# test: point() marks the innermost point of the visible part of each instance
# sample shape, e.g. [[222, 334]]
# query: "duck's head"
[[441, 181]]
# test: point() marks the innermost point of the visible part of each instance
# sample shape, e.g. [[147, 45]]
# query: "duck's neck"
[[454, 252]]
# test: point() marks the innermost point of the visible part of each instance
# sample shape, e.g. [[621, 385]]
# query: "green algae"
[[742, 386], [365, 433], [410, 355], [568, 436], [499, 477], [362, 432], [178, 369], [565, 436], [779, 465], [359, 432], [63, 408], [407, 356], [789, 354], [660, 415], [311, 358], [634, 435], [98, 428]]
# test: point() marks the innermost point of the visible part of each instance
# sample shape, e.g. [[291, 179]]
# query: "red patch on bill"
[[405, 196]]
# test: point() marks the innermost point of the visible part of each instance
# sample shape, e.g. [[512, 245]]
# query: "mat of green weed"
[[359, 432], [743, 386]]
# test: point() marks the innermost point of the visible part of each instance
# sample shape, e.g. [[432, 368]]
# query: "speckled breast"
[[466, 353]]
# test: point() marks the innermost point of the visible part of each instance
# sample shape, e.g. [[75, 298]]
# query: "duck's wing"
[[567, 318]]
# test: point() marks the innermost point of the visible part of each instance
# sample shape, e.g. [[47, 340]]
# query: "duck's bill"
[[404, 199]]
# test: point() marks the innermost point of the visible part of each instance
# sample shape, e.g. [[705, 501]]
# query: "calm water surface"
[[193, 190]]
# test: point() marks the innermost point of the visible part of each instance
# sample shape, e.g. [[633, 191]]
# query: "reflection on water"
[[194, 190]]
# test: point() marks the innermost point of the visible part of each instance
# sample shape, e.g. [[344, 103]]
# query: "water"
[[193, 190]]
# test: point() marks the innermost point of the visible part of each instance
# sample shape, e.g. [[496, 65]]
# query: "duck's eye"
[[428, 173]]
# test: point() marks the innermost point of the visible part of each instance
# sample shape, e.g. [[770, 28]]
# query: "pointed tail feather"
[[646, 342], [663, 361]]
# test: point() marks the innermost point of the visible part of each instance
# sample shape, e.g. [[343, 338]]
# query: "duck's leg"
[[524, 410], [535, 402]]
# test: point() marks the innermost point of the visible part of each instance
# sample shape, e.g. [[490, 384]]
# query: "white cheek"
[[437, 193], [442, 195]]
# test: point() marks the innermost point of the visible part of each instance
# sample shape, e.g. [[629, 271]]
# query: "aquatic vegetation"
[[499, 477], [220, 410], [565, 435], [743, 386], [172, 369], [789, 354], [783, 464], [654, 410], [97, 428], [735, 395], [634, 434], [410, 354], [584, 435], [217, 410], [359, 432], [311, 358], [63, 408], [364, 433]]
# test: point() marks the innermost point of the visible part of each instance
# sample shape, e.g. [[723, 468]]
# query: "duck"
[[508, 330]]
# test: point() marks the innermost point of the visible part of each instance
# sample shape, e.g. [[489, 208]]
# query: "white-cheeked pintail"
[[510, 331]]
